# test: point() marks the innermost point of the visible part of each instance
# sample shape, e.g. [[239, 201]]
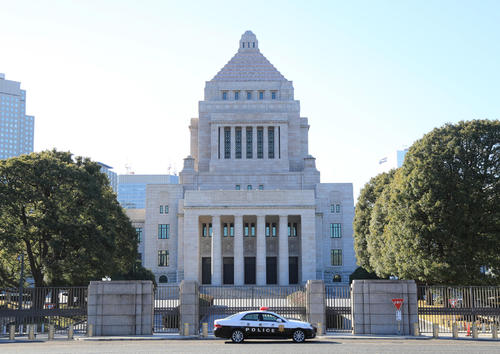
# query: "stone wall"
[[121, 307], [373, 310]]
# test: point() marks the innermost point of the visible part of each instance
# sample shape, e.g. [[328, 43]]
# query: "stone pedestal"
[[121, 307], [315, 302], [189, 306], [373, 310]]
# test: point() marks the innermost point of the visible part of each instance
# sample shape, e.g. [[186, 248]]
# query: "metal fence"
[[42, 307], [166, 309], [338, 308], [460, 305], [221, 301]]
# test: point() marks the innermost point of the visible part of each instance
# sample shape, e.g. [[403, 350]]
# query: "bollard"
[[204, 329], [12, 332], [90, 330], [186, 329], [70, 331], [454, 330], [494, 333], [474, 331], [435, 330], [31, 332], [51, 332], [320, 329], [416, 329]]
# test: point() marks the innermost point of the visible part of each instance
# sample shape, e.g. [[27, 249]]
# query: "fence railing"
[[42, 307], [166, 309], [459, 305], [338, 308]]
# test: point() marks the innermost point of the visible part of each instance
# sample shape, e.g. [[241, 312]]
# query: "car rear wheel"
[[237, 336], [298, 336]]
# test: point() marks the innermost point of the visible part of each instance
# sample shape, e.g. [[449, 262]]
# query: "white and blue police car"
[[262, 324]]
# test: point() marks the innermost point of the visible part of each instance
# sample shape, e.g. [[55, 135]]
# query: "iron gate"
[[44, 306], [217, 302], [460, 305], [338, 308], [166, 309]]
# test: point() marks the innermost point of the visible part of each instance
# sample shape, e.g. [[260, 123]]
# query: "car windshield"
[[229, 317]]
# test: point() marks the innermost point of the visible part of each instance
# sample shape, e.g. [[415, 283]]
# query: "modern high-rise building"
[[393, 160], [132, 188], [250, 207], [112, 176], [16, 128]]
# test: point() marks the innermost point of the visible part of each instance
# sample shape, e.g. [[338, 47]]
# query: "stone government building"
[[249, 208]]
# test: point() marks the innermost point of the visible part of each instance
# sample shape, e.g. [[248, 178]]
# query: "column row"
[[249, 142]]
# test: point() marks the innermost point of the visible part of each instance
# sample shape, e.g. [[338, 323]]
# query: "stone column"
[[243, 142], [283, 250], [213, 148], [216, 251], [233, 142], [276, 142], [191, 246], [221, 142], [239, 270], [261, 250], [307, 245], [266, 142], [189, 306], [254, 141]]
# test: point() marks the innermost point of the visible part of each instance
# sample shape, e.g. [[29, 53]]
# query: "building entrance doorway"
[[206, 270], [271, 270], [293, 270], [228, 270], [250, 270]]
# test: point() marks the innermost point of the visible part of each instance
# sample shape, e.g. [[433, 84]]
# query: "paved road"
[[260, 347]]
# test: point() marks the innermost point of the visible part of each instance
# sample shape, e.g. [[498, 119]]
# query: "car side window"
[[250, 317], [269, 318]]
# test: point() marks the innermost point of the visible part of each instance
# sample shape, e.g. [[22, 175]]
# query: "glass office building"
[[132, 188], [16, 128]]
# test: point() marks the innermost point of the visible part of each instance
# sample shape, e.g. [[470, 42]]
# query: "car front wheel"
[[298, 336], [237, 336]]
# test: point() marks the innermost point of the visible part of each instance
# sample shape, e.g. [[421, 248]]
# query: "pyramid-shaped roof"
[[249, 64]]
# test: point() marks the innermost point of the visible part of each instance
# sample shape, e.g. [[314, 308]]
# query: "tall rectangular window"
[[336, 257], [260, 143], [337, 208], [261, 95], [335, 230], [161, 209], [224, 95], [252, 229], [249, 95], [204, 230], [238, 187], [231, 230], [237, 142], [274, 232], [246, 230], [236, 95], [163, 258], [268, 229], [226, 230], [227, 142], [292, 229], [210, 230], [138, 231], [163, 231], [270, 141], [332, 208], [249, 143], [273, 95]]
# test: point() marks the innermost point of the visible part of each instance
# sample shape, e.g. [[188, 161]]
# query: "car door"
[[270, 326], [250, 325]]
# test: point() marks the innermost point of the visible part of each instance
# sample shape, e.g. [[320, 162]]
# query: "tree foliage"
[[61, 213], [438, 220]]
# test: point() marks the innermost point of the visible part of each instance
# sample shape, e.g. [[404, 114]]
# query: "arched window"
[[163, 279], [336, 278]]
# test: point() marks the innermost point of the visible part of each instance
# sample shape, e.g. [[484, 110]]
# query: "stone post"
[[315, 303], [283, 250], [12, 332], [189, 306], [121, 307], [372, 308], [261, 250], [239, 269], [216, 251]]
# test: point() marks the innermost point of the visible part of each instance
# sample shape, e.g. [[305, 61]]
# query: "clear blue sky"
[[118, 81]]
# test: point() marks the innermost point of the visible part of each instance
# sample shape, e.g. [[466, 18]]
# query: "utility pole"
[[21, 282]]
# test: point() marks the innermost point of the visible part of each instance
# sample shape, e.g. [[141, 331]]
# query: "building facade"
[[250, 208], [132, 188], [16, 128], [112, 176], [393, 160]]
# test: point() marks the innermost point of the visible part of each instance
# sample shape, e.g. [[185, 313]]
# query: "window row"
[[163, 258], [163, 209], [237, 94], [249, 230], [336, 230], [273, 137], [249, 187], [335, 208]]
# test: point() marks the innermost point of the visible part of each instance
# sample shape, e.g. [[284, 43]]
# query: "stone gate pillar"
[[315, 302], [189, 306]]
